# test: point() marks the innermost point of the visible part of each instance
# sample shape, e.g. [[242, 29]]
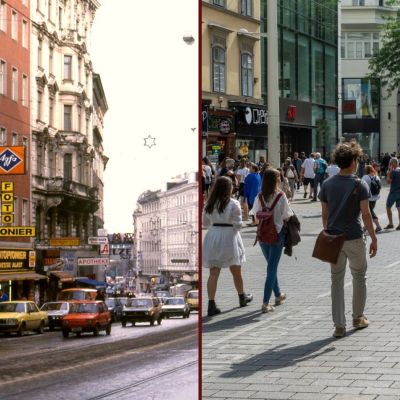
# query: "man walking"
[[320, 166], [393, 178], [338, 218], [307, 174], [297, 166]]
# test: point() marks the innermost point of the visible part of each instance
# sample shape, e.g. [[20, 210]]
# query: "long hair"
[[270, 182], [369, 169], [220, 195]]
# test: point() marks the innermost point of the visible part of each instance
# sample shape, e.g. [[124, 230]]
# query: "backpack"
[[322, 166], [375, 186], [266, 230]]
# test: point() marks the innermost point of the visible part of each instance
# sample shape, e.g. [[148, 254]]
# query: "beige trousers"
[[355, 251]]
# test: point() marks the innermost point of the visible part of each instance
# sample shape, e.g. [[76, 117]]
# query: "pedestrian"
[[261, 162], [385, 164], [207, 172], [207, 161], [274, 199], [297, 165], [341, 217], [3, 296], [228, 171], [290, 173], [252, 186], [371, 177], [332, 169], [284, 184], [241, 174], [393, 178], [320, 166], [222, 245], [307, 174]]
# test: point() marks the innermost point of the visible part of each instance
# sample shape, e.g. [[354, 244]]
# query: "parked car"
[[77, 294], [56, 311], [142, 309], [115, 306], [162, 295], [21, 316], [175, 307], [192, 298], [87, 316]]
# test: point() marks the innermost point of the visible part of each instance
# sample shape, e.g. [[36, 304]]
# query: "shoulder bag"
[[327, 246]]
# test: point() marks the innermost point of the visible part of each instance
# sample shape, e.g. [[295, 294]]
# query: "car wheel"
[[51, 327], [123, 323], [40, 330], [21, 329], [65, 333], [108, 329], [159, 320], [167, 316], [96, 331], [78, 334], [133, 323], [152, 321]]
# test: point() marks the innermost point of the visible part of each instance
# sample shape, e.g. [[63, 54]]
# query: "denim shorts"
[[393, 197]]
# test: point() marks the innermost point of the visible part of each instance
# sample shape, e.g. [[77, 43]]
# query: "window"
[[25, 34], [218, 69], [14, 25], [51, 111], [68, 167], [359, 45], [51, 58], [15, 211], [3, 136], [289, 79], [303, 50], [25, 3], [39, 105], [330, 76], [3, 16], [68, 67], [24, 221], [220, 3], [317, 75], [79, 118], [3, 79], [25, 96], [247, 75], [49, 9], [14, 85], [39, 53], [25, 142], [60, 18], [358, 2], [67, 117], [246, 7], [14, 139]]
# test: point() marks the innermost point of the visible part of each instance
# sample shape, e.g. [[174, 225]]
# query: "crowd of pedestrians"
[[236, 192]]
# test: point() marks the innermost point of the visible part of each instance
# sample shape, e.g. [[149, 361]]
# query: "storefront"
[[251, 130], [17, 274]]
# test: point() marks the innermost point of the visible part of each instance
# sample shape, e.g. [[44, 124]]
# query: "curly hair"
[[345, 153]]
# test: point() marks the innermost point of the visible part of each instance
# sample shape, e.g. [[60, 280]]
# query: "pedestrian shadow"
[[233, 322], [282, 357]]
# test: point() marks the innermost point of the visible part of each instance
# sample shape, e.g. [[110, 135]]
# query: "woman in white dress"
[[222, 245]]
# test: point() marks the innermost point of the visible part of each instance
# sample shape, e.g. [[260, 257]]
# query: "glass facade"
[[308, 52]]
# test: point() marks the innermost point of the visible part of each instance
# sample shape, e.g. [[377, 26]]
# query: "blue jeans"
[[319, 179], [272, 253]]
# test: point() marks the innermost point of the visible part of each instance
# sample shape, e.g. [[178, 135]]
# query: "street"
[[290, 353], [139, 362]]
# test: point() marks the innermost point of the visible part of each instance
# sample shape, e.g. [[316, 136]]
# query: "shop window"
[[289, 81], [303, 49], [317, 72]]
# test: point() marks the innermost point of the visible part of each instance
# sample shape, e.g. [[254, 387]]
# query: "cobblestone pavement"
[[290, 353]]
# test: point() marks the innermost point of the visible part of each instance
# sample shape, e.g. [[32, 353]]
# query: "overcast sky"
[[150, 78]]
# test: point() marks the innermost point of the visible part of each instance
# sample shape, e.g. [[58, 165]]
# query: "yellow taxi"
[[192, 298], [21, 316]]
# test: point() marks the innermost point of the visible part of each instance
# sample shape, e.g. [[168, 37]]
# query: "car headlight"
[[11, 321]]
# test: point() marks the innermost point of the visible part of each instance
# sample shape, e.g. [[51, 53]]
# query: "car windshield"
[[174, 302], [140, 303], [84, 308], [193, 295], [77, 295], [12, 307], [124, 300], [111, 302], [54, 306]]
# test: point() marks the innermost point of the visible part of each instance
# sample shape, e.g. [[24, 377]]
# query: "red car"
[[87, 316]]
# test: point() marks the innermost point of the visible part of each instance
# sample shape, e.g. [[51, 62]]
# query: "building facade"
[[68, 104], [166, 232], [367, 114]]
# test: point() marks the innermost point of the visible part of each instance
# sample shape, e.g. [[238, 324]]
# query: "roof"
[[21, 276]]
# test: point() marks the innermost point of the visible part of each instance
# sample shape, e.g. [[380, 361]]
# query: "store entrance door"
[[295, 139]]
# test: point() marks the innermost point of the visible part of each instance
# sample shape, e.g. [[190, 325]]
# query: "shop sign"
[[93, 261], [68, 241], [19, 231], [220, 124], [69, 258], [255, 116], [98, 240], [204, 123], [15, 260], [12, 160], [291, 113], [180, 261], [104, 249], [32, 259]]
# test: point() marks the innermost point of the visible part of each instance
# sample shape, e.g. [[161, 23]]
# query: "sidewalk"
[[290, 353]]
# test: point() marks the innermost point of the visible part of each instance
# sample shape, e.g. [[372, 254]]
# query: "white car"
[[175, 307]]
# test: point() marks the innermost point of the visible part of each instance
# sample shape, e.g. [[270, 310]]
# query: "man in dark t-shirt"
[[393, 178], [335, 202]]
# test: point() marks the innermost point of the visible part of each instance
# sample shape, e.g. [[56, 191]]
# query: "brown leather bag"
[[327, 246]]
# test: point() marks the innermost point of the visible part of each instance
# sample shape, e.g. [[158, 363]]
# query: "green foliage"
[[386, 64]]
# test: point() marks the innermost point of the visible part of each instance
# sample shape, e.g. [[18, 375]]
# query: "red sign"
[[349, 106], [291, 113], [12, 160]]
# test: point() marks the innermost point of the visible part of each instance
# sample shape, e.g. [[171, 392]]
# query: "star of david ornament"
[[149, 141]]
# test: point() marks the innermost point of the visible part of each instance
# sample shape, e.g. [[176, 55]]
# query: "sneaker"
[[398, 228], [390, 226], [339, 332], [267, 308], [244, 299], [279, 300], [305, 195], [360, 323], [378, 229]]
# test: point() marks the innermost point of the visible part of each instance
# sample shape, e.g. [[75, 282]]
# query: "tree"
[[385, 65]]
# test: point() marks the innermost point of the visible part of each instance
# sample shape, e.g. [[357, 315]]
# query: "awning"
[[91, 282], [21, 276], [62, 276]]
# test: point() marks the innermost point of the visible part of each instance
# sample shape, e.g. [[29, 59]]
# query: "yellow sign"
[[7, 218], [7, 208], [17, 231], [71, 241], [32, 259], [7, 186]]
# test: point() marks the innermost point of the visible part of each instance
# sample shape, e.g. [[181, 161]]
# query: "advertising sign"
[[19, 231], [69, 258], [93, 261], [98, 240], [67, 241], [12, 260], [12, 160], [105, 249]]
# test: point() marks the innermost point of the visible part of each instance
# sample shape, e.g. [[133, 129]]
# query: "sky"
[[150, 78]]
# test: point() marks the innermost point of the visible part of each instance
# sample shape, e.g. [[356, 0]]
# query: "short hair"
[[345, 153], [317, 155], [369, 169], [254, 167]]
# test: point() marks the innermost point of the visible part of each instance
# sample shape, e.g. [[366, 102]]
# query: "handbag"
[[328, 246]]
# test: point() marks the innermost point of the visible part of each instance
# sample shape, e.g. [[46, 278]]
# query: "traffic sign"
[[98, 240]]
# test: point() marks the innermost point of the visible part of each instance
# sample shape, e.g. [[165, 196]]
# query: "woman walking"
[[241, 174], [374, 184], [290, 173], [222, 245], [272, 197]]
